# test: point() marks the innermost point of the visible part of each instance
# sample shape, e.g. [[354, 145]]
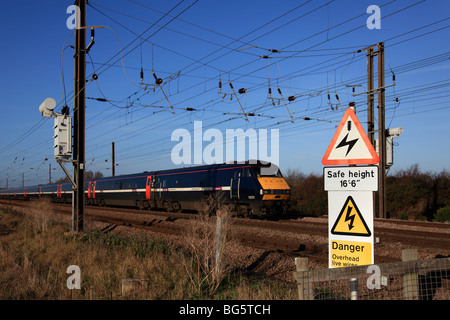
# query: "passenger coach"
[[249, 189]]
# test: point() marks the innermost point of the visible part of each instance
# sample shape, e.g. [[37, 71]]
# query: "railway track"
[[422, 238], [273, 244], [165, 222], [432, 239]]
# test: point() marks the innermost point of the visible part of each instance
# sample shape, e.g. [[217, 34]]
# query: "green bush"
[[442, 215], [403, 216], [416, 194], [411, 194], [307, 194]]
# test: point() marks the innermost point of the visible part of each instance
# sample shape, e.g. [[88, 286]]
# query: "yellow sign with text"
[[350, 253]]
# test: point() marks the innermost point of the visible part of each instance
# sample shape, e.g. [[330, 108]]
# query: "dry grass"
[[40, 215], [206, 238], [35, 253]]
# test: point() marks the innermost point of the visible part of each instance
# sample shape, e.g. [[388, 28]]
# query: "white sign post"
[[351, 178], [350, 194], [350, 228]]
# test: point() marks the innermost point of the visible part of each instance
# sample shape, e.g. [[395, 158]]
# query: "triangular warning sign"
[[350, 144], [350, 221]]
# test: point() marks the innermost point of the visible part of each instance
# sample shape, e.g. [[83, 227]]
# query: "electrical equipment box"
[[390, 135], [389, 151], [62, 137]]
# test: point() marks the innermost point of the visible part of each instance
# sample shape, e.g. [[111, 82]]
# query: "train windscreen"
[[272, 171]]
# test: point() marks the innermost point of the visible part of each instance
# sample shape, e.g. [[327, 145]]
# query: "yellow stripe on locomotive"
[[274, 188]]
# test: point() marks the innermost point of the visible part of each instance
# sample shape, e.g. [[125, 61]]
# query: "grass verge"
[[35, 253]]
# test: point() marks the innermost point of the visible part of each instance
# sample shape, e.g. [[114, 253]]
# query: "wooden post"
[[302, 282], [219, 238], [410, 280]]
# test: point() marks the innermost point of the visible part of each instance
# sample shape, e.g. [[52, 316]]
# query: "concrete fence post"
[[304, 292], [410, 279]]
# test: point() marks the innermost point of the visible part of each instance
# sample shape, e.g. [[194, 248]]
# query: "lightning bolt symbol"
[[344, 143], [349, 217]]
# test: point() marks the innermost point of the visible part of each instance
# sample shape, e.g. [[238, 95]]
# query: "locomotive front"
[[275, 191]]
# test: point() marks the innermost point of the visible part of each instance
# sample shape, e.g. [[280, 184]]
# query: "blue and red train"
[[249, 188]]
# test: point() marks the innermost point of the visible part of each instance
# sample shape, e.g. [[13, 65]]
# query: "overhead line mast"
[[381, 134], [79, 120], [381, 117]]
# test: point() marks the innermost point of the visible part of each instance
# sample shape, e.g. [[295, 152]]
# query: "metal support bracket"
[[67, 173]]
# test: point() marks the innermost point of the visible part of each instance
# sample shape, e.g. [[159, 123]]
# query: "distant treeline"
[[410, 194]]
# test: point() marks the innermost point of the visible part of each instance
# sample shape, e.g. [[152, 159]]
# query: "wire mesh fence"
[[407, 280]]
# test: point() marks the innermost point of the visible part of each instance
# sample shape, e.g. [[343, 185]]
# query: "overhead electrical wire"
[[406, 69], [152, 144]]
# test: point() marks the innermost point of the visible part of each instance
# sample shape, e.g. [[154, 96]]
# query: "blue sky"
[[191, 45]]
